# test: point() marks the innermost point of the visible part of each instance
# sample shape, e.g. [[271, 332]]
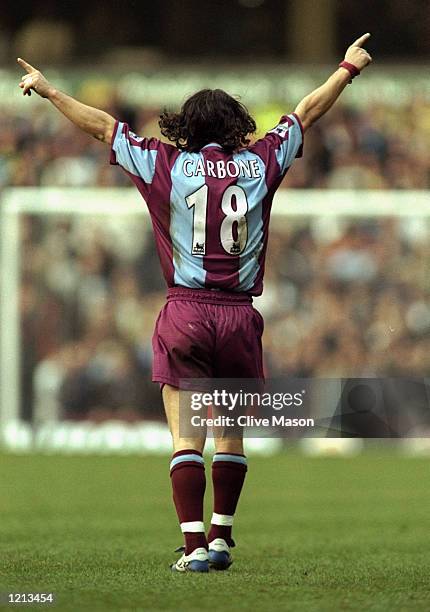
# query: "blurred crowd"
[[382, 147], [350, 302], [355, 305]]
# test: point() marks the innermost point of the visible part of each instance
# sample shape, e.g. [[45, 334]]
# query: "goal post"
[[40, 201], [321, 204]]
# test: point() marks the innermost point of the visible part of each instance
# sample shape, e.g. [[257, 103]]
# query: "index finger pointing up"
[[28, 67], [360, 41]]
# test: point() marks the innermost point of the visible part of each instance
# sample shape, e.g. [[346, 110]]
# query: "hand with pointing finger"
[[358, 56], [34, 80]]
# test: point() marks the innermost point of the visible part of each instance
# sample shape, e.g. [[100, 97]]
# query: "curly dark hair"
[[210, 115]]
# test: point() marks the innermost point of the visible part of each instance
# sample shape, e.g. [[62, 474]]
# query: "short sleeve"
[[136, 155], [285, 141]]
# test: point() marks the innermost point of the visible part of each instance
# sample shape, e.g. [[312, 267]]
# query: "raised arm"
[[317, 103], [91, 120]]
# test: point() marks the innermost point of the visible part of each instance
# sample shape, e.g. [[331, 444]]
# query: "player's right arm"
[[91, 120], [317, 103]]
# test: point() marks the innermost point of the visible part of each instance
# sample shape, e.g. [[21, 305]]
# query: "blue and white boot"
[[197, 561], [219, 554]]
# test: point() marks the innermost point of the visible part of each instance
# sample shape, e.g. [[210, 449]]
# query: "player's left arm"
[[91, 120], [317, 103]]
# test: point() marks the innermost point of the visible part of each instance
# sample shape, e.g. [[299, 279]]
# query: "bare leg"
[[171, 407], [229, 445]]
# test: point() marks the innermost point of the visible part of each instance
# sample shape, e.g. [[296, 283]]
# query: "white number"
[[199, 199], [234, 228]]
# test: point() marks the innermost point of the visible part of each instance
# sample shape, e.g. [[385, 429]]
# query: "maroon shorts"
[[207, 334]]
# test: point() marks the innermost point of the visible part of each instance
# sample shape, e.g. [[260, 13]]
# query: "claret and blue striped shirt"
[[210, 210]]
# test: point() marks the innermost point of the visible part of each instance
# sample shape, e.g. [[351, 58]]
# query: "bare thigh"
[[172, 409], [223, 443]]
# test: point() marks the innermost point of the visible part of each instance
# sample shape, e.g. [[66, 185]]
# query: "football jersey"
[[210, 210]]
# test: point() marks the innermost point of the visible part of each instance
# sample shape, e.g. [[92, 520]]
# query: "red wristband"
[[353, 70]]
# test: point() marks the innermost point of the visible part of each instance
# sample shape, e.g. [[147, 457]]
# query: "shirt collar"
[[212, 144]]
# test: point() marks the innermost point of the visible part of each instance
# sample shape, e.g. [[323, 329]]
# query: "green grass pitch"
[[313, 534]]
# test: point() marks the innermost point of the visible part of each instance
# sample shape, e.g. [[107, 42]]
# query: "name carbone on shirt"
[[246, 168]]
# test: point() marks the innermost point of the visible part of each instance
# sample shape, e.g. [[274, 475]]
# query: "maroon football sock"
[[228, 475], [187, 472]]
